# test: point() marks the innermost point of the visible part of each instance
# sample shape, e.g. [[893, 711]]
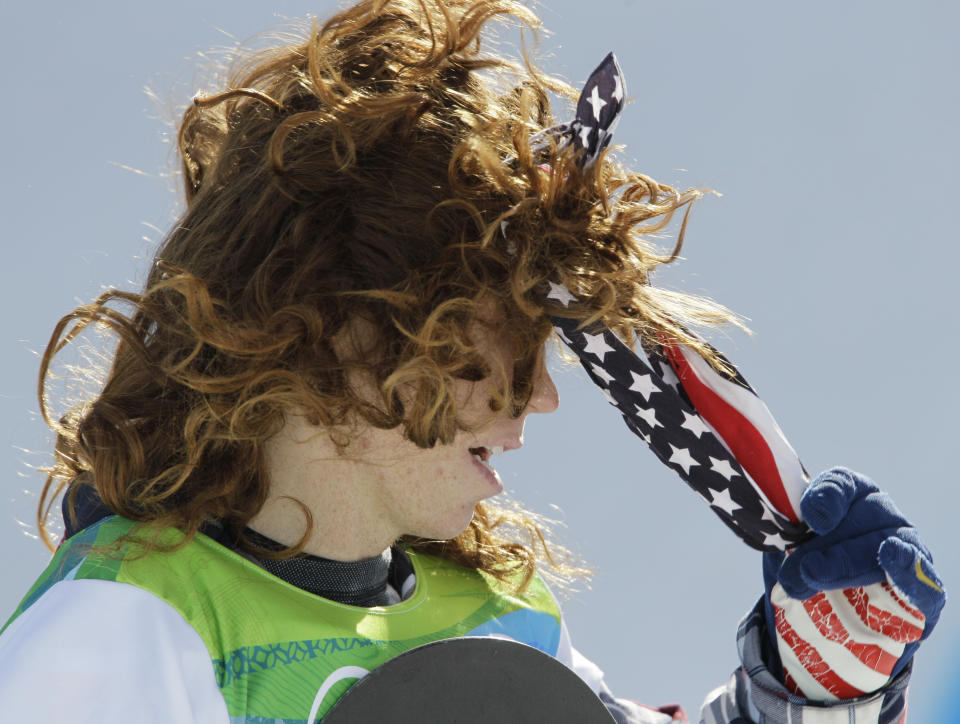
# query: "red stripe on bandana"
[[744, 440]]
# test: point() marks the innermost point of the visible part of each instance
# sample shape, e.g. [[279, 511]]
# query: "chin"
[[449, 529]]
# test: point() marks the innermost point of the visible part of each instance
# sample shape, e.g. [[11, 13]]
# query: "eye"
[[473, 373], [523, 373]]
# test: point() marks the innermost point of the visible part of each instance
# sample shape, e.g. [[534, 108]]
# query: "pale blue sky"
[[828, 127]]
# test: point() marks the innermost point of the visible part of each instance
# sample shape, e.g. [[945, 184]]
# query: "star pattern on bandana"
[[560, 293], [598, 109], [659, 413], [694, 423], [648, 415], [647, 391], [602, 374], [723, 468], [596, 101], [682, 458], [775, 540], [642, 384], [597, 115], [723, 501], [596, 345]]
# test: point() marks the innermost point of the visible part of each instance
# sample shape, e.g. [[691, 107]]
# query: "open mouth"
[[483, 455], [480, 453]]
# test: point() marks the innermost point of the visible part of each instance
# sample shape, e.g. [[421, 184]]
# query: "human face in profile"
[[384, 486]]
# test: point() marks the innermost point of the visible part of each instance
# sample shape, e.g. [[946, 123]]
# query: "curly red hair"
[[361, 172]]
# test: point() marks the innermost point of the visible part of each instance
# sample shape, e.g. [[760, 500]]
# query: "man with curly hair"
[[285, 481]]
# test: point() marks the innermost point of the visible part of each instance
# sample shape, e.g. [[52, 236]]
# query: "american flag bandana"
[[712, 430], [598, 112]]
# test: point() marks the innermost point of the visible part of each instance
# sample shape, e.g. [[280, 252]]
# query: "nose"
[[545, 397]]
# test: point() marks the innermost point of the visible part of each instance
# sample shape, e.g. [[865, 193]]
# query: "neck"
[[308, 473]]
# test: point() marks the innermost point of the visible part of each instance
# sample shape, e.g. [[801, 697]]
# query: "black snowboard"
[[470, 680]]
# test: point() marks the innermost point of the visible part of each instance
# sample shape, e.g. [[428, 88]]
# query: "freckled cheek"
[[439, 487], [426, 481]]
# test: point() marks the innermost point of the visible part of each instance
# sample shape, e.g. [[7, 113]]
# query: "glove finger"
[[873, 511], [844, 565], [828, 498], [912, 572], [910, 535], [791, 579]]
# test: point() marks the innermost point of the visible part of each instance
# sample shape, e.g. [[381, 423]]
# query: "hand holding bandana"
[[850, 606], [857, 560]]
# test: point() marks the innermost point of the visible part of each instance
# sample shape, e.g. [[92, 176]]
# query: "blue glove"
[[863, 544]]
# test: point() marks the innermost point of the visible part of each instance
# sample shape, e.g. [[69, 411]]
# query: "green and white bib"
[[281, 654]]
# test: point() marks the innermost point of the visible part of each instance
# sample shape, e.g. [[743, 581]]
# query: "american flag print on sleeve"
[[756, 695], [843, 643]]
